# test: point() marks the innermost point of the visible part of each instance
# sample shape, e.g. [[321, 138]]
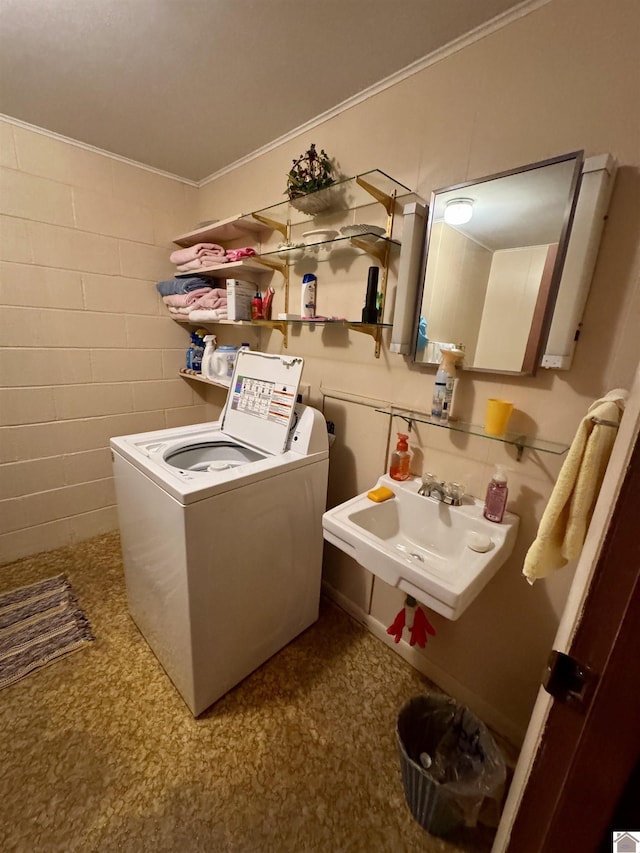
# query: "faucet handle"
[[427, 481], [454, 492]]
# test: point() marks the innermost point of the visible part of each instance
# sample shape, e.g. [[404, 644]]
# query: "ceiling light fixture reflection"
[[458, 211]]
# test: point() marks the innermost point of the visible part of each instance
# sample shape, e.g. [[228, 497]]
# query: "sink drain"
[[409, 553]]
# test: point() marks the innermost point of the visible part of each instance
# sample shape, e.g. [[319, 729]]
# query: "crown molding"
[[475, 35], [86, 147]]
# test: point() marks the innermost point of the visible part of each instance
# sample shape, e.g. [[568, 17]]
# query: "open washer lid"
[[261, 399]]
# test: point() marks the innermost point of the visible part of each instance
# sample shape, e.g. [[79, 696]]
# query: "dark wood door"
[[586, 758]]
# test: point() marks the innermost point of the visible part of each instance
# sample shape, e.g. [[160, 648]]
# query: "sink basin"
[[442, 555]]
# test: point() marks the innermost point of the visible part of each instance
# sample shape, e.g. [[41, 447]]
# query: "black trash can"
[[450, 763]]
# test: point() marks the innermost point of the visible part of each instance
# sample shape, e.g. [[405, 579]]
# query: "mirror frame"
[[543, 314]]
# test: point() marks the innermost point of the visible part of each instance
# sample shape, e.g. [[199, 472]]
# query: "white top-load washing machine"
[[221, 528]]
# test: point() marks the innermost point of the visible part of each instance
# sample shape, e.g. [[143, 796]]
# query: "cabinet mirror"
[[494, 253]]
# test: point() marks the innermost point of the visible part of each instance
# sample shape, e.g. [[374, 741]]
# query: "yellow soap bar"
[[382, 493]]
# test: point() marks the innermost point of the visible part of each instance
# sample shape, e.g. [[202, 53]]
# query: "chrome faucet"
[[431, 487], [449, 493]]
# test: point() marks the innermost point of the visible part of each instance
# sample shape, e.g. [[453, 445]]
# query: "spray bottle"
[[400, 459], [497, 492], [207, 368], [445, 380]]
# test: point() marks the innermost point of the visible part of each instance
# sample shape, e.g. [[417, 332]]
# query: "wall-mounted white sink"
[[423, 546]]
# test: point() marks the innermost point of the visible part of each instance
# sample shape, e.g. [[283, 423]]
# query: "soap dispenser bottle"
[[444, 384], [400, 459], [496, 499]]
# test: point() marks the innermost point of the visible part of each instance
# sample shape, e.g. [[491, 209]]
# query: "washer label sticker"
[[263, 399]]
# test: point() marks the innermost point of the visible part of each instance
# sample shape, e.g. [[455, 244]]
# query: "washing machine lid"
[[261, 399]]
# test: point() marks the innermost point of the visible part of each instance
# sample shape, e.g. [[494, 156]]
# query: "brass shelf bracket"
[[281, 227], [371, 248], [272, 264], [386, 200], [369, 329], [280, 325]]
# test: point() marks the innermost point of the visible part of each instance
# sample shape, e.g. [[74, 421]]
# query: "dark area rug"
[[39, 624]]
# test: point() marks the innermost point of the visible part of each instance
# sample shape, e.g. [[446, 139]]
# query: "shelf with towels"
[[227, 270], [518, 440]]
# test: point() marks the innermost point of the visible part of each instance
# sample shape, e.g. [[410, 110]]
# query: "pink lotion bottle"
[[497, 492]]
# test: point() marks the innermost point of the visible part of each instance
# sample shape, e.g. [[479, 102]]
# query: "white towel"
[[564, 523]]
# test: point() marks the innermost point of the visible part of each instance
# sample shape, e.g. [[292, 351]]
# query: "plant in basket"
[[309, 180]]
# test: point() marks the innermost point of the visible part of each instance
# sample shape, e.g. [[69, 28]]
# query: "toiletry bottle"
[[256, 307], [267, 303], [308, 296], [206, 368], [444, 384], [195, 352], [189, 353], [496, 500], [400, 459], [198, 353], [370, 310]]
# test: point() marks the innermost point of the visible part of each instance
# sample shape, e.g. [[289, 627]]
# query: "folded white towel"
[[564, 523]]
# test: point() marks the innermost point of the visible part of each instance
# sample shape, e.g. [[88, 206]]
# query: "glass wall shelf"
[[323, 321], [368, 242], [516, 439], [344, 194]]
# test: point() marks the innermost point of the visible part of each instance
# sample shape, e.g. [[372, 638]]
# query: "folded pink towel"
[[219, 292], [210, 302], [202, 263], [238, 254], [180, 300], [191, 253], [211, 298]]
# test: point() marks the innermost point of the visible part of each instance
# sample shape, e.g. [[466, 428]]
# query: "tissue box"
[[239, 296]]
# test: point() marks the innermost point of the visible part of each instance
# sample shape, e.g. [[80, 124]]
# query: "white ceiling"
[[192, 86]]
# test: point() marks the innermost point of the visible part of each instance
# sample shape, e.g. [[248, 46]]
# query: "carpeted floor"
[[99, 752]]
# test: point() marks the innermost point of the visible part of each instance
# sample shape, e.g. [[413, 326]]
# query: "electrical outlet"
[[559, 362]]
